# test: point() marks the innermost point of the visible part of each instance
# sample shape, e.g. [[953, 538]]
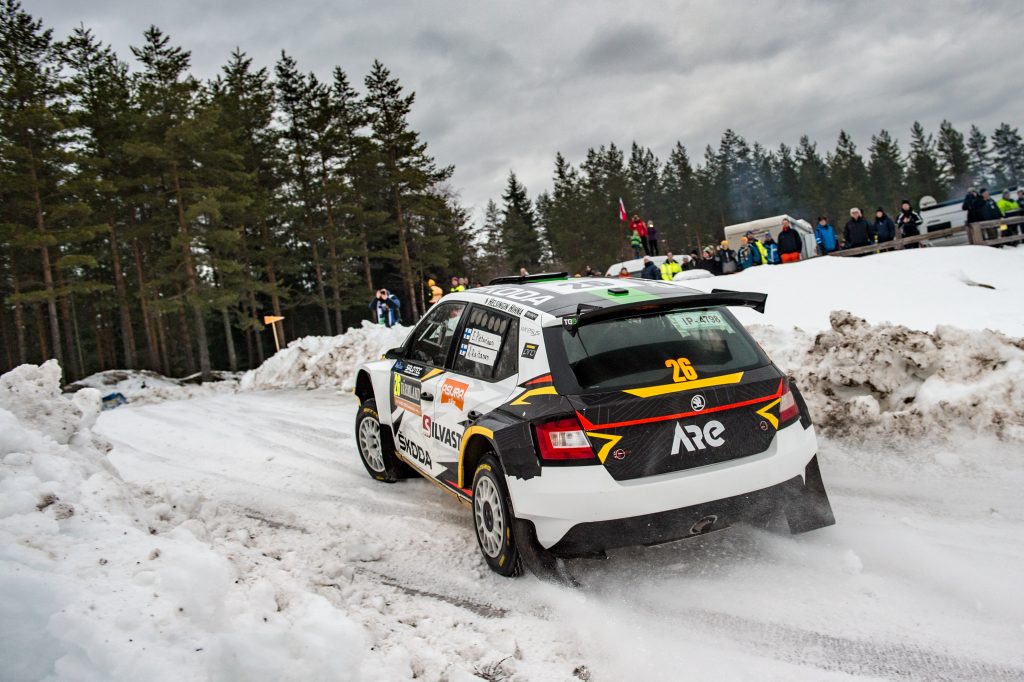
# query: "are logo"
[[454, 392], [693, 437], [697, 403]]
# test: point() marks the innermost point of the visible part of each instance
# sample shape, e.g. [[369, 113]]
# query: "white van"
[[773, 226]]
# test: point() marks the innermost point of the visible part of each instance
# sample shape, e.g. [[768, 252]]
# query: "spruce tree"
[[520, 238], [924, 174], [1007, 156], [679, 186], [848, 176], [814, 190], [956, 166], [885, 169], [979, 158]]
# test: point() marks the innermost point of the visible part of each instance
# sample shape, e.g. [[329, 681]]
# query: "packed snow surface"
[[235, 534]]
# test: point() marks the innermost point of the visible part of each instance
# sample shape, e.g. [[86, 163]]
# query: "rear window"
[[654, 349]]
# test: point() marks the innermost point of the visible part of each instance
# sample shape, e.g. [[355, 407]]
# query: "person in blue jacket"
[[745, 254], [650, 271], [883, 229], [773, 250], [385, 307], [825, 236]]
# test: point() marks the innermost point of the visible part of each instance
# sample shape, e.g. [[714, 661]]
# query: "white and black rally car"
[[579, 415]]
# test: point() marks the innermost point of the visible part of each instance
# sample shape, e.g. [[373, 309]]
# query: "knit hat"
[[725, 242], [854, 210]]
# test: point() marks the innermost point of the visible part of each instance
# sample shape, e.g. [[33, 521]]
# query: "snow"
[[143, 387], [235, 534]]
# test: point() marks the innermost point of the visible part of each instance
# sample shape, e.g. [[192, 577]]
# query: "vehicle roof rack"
[[525, 279]]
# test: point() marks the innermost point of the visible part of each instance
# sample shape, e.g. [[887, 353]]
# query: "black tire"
[[376, 448], [493, 520]]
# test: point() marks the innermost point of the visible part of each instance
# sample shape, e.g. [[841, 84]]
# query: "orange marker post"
[[272, 320]]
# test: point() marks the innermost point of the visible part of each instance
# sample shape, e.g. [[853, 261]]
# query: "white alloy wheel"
[[490, 521], [370, 445]]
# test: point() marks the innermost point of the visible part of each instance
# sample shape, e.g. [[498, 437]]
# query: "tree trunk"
[[229, 339], [78, 337], [186, 335], [19, 312], [366, 261], [127, 333], [8, 355], [320, 287], [193, 280], [259, 337], [275, 298], [101, 349], [161, 331], [75, 366], [44, 349], [333, 248], [44, 252], [152, 349]]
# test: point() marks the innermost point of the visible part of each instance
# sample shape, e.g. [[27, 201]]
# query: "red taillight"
[[788, 409], [563, 440]]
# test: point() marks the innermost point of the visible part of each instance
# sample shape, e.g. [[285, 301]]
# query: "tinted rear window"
[[655, 349]]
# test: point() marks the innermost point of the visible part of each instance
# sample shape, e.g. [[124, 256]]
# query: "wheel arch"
[[477, 441], [364, 387]]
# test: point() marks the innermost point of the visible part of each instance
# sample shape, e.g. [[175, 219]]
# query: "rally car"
[[576, 415]]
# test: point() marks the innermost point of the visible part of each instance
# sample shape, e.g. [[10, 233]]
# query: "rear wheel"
[[493, 520], [376, 449]]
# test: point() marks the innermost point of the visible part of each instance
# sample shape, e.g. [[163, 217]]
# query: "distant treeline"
[[150, 219], [577, 223]]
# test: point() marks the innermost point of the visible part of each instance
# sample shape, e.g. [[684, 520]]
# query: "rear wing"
[[587, 315]]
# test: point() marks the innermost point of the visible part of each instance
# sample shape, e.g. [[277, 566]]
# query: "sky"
[[504, 86]]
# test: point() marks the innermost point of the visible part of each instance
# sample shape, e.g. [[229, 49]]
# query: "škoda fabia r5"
[[579, 415]]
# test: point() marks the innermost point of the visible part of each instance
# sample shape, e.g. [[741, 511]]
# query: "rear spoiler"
[[587, 315]]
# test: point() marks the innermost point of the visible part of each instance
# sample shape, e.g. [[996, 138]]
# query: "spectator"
[[670, 268], [456, 286], [523, 272], [857, 231], [825, 236], [758, 254], [971, 202], [726, 259], [707, 261], [386, 307], [436, 292], [589, 272], [745, 254], [1020, 200], [636, 241], [694, 259], [790, 243], [884, 229], [987, 207], [909, 222], [650, 271], [1006, 203], [652, 238], [464, 283], [624, 273], [771, 251], [640, 227]]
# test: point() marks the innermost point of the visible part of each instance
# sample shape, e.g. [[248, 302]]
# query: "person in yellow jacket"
[[1006, 203], [670, 267], [435, 291], [456, 287], [758, 250]]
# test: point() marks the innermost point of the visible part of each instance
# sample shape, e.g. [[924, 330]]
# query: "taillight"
[[564, 441], [789, 411]]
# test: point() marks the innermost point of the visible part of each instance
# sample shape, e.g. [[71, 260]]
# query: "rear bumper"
[[591, 511]]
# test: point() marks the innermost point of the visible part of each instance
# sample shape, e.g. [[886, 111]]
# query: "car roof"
[[563, 296]]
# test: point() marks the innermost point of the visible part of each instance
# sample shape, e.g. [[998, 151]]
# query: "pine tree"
[[520, 238], [956, 166], [787, 182], [979, 158], [814, 190], [924, 174], [407, 169], [679, 186], [848, 176], [1007, 156], [885, 170], [495, 259], [643, 182]]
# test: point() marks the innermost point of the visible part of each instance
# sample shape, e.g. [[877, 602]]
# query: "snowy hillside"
[[233, 534]]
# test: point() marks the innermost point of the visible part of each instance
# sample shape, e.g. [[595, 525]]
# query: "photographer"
[[386, 307]]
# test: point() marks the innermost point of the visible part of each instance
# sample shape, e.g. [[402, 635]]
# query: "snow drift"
[[318, 361], [101, 580], [145, 387], [886, 381]]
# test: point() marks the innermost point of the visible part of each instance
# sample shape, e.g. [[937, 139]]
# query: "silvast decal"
[[441, 433]]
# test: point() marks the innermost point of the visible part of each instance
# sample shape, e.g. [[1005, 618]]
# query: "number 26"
[[681, 370]]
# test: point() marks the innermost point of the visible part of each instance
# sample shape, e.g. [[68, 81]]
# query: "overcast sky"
[[505, 85]]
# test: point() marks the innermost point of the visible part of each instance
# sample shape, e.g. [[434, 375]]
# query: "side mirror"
[[393, 354]]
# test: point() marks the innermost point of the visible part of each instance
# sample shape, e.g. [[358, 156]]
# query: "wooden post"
[[272, 320]]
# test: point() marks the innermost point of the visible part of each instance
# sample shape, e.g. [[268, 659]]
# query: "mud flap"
[[542, 563], [810, 509]]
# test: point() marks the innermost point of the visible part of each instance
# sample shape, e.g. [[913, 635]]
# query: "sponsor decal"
[[505, 305], [482, 338], [440, 433], [619, 454], [530, 315], [413, 451], [530, 350], [479, 354], [405, 394], [521, 295], [693, 437], [409, 370], [454, 392], [530, 331], [697, 403]]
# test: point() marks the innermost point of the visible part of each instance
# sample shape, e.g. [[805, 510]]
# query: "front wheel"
[[376, 450], [493, 520]]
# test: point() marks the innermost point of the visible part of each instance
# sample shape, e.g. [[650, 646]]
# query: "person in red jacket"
[[641, 230]]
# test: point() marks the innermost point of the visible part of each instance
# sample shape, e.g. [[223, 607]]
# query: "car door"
[[484, 372], [414, 380]]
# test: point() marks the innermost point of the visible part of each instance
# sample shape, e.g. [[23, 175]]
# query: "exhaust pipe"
[[705, 525]]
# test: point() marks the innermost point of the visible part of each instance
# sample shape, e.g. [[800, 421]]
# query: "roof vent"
[[618, 291]]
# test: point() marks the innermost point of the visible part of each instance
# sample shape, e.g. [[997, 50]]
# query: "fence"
[[987, 233]]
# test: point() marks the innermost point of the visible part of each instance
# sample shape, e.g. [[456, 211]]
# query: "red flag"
[[623, 216]]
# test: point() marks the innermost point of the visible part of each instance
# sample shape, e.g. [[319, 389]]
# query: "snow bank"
[[890, 382], [145, 387], [316, 361], [100, 580]]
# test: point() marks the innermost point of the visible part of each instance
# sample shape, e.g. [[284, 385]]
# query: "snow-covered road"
[[920, 578]]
